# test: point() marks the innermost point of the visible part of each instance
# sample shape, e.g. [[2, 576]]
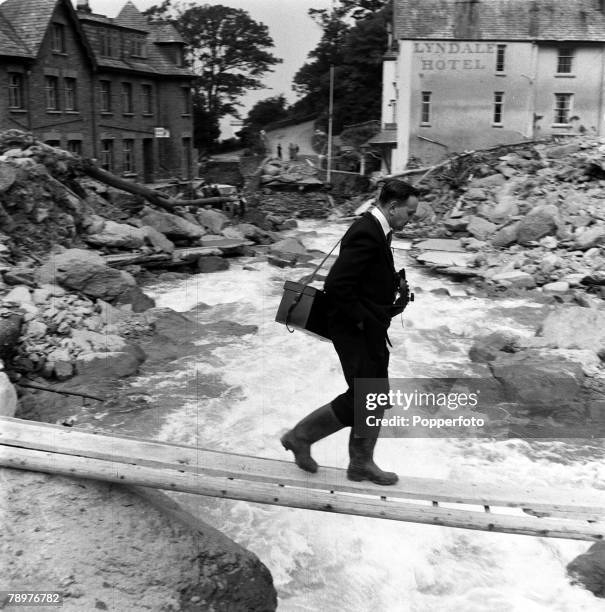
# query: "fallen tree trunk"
[[149, 194]]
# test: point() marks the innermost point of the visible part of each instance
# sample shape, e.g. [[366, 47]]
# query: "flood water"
[[241, 393]]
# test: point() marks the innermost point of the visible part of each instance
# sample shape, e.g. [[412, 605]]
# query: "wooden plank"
[[589, 505], [274, 494]]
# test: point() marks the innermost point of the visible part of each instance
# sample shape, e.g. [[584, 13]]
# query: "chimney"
[[466, 19], [83, 7]]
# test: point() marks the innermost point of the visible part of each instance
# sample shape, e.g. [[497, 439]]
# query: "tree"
[[261, 114], [227, 50], [354, 41]]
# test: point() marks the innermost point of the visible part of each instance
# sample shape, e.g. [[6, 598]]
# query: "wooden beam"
[[275, 494], [579, 503]]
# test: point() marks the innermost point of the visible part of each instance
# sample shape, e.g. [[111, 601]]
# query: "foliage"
[[228, 51], [262, 113], [355, 50]]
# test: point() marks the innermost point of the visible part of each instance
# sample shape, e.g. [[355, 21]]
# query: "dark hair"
[[394, 189]]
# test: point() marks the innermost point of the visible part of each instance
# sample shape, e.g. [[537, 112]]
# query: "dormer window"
[[138, 47], [58, 38], [105, 42], [179, 56]]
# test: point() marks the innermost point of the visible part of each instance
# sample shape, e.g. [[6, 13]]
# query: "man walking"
[[361, 287]]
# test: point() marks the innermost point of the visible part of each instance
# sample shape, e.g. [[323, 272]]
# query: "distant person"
[[361, 289], [291, 151], [279, 151], [296, 150]]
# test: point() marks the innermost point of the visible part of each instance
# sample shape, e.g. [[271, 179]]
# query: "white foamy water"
[[265, 382]]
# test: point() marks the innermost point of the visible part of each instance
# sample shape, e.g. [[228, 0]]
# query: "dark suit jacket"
[[362, 284]]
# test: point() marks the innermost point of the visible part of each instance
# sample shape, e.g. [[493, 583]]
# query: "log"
[[30, 385], [589, 505], [150, 195], [293, 497]]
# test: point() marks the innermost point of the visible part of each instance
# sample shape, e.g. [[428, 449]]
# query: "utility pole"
[[330, 114]]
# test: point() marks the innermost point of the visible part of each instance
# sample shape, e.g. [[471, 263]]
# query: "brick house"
[[467, 74], [113, 89]]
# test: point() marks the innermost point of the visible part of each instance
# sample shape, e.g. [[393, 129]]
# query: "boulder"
[[488, 348], [289, 224], [59, 363], [588, 569], [590, 237], [475, 194], [157, 240], [445, 258], [440, 244], [113, 364], [493, 180], [556, 287], [172, 226], [286, 247], [138, 301], [575, 327], [515, 278], [212, 263], [213, 220], [85, 271], [456, 224], [251, 232], [540, 222], [505, 209], [117, 235], [480, 228], [539, 384], [19, 295], [8, 396]]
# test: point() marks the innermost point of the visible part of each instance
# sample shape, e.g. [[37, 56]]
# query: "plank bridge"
[[577, 514]]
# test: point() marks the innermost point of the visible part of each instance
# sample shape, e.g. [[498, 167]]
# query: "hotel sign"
[[453, 55]]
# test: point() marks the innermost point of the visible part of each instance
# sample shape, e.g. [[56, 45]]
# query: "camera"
[[409, 297]]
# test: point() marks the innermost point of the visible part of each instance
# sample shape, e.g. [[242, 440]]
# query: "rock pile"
[[534, 219], [278, 174]]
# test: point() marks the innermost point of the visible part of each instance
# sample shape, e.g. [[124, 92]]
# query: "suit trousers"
[[362, 354]]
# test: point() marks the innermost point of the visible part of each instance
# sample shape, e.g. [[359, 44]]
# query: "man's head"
[[398, 202]]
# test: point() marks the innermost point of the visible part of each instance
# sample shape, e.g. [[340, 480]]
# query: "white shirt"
[[386, 228]]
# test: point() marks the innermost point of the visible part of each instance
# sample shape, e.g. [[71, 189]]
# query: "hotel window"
[[498, 104], [147, 99], [105, 89], [565, 60], [500, 55], [15, 90], [186, 95], [52, 93], [425, 108], [74, 146], [58, 38], [127, 98], [128, 155], [107, 155], [71, 94], [563, 102], [138, 47]]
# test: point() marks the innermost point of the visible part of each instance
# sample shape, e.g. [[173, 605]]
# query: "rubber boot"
[[362, 466], [315, 426]]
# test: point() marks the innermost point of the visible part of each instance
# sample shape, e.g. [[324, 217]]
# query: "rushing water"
[[240, 394]]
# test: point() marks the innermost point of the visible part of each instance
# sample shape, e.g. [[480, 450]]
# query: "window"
[[425, 109], [15, 90], [105, 42], [52, 93], [179, 58], [147, 99], [186, 94], [562, 107], [58, 38], [500, 53], [138, 47], [107, 155], [71, 95], [74, 146], [127, 98], [105, 89], [565, 60], [128, 156], [498, 104]]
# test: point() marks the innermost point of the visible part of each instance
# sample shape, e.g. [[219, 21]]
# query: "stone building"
[[113, 89], [467, 74]]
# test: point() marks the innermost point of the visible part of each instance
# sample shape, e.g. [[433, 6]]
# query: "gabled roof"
[[131, 17], [166, 33], [30, 19], [541, 20], [10, 43]]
